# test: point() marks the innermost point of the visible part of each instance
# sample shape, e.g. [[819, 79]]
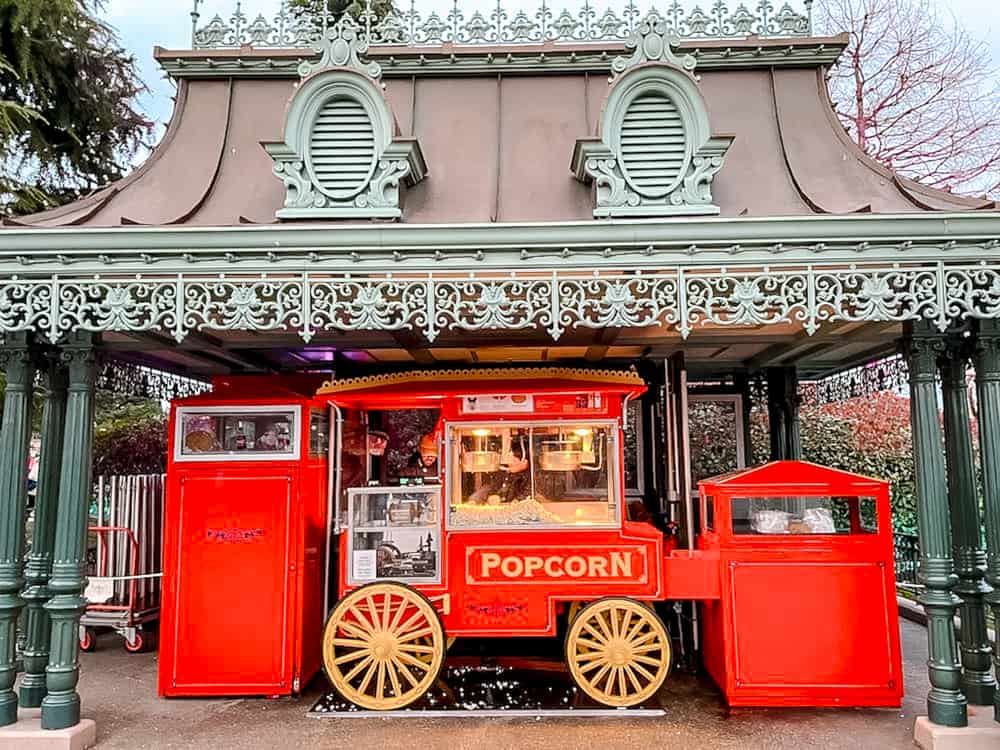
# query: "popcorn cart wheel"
[[618, 651], [379, 636]]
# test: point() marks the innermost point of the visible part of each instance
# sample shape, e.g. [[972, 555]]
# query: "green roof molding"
[[397, 62]]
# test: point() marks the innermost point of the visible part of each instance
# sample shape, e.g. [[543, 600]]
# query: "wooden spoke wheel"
[[618, 651], [383, 646]]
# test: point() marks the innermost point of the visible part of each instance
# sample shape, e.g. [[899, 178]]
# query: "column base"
[[982, 733], [31, 696], [62, 713], [8, 710], [948, 713], [978, 694], [27, 734]]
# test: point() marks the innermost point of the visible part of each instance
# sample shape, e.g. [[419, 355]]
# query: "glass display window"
[[533, 475], [237, 433], [319, 432], [394, 534], [804, 515]]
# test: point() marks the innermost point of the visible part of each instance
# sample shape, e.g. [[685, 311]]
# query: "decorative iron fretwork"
[[890, 374], [129, 379], [719, 20], [680, 297]]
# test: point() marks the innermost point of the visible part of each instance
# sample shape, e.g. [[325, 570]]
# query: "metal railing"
[[907, 559]]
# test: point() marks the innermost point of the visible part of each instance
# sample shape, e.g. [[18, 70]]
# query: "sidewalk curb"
[[910, 610]]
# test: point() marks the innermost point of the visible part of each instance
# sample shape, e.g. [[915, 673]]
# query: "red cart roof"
[[791, 476], [423, 386]]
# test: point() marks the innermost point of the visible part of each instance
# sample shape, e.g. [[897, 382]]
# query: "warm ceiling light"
[[481, 433], [582, 432]]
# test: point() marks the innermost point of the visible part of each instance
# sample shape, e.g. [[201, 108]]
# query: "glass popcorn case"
[[533, 474]]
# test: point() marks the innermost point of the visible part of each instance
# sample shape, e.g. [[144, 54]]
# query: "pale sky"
[[142, 24]]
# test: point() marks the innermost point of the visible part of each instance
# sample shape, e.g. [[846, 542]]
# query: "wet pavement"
[[119, 692]]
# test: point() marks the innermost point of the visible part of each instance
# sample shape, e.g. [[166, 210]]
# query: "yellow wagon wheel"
[[383, 646], [618, 651]]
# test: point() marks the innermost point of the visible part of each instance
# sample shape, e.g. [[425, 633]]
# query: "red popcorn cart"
[[807, 609], [492, 504], [509, 513]]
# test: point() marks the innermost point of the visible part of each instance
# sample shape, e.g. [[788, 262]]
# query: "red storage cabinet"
[[244, 541], [807, 609]]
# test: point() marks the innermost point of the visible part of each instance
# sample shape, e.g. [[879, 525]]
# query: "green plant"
[[869, 435]]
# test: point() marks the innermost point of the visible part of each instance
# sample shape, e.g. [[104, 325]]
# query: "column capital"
[[17, 360], [986, 351], [922, 353], [79, 356]]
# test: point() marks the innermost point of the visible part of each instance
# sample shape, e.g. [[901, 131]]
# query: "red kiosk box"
[[807, 611], [245, 525]]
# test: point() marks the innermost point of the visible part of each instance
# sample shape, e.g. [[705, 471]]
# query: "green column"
[[987, 361], [978, 684], [15, 437], [61, 706], [783, 413], [945, 703], [38, 566]]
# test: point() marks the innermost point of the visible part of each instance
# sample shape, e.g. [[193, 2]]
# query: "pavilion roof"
[[497, 124]]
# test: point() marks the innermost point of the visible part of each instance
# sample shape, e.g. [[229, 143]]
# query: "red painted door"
[[233, 581]]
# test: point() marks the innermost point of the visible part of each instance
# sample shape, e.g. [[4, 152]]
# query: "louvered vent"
[[653, 148], [342, 147]]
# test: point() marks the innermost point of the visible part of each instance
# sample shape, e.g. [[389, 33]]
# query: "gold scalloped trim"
[[605, 377]]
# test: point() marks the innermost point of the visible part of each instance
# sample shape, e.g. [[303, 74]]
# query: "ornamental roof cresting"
[[712, 19]]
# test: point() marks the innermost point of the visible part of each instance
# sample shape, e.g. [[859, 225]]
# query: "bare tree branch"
[[917, 92]]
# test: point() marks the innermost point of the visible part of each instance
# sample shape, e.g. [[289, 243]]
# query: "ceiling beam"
[[208, 348], [417, 346], [802, 345], [603, 339]]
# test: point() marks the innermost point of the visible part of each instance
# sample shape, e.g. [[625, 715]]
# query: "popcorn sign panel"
[[556, 564]]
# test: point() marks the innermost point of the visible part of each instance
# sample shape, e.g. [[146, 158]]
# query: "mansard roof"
[[497, 125]]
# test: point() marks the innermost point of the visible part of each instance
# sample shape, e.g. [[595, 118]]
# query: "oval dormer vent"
[[342, 148], [654, 151]]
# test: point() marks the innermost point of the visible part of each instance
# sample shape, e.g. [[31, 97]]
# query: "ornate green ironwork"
[[978, 684], [987, 362], [683, 297], [887, 374], [128, 379], [38, 567], [16, 360], [61, 706], [945, 703]]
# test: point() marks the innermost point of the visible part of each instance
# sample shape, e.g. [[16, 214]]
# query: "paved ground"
[[119, 691]]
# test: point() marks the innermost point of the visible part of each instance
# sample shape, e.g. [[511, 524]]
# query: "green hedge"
[[869, 435]]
